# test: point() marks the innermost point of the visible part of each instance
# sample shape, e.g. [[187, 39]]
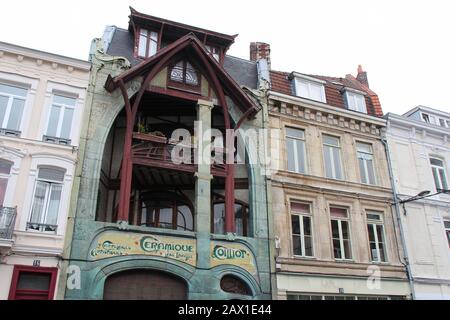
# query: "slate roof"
[[242, 71]]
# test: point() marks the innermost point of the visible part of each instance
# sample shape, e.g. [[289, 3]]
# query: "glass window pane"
[[337, 163], [67, 123], [37, 210], [176, 73], [345, 230], [219, 218], [362, 170], [185, 218], [165, 215], [142, 50], [191, 75], [347, 249], [64, 100], [436, 162], [300, 207], [328, 162], [308, 246], [315, 91], [5, 167], [53, 205], [371, 233], [303, 90], [307, 226], [15, 116], [447, 224], [301, 156], [3, 104], [297, 245], [335, 229], [295, 133], [290, 154], [3, 185], [53, 121], [337, 249], [371, 171], [329, 140], [338, 212], [295, 221], [34, 281], [364, 147], [443, 179], [53, 174], [13, 90]]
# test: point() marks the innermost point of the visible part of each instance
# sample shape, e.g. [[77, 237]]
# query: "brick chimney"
[[362, 76], [260, 50]]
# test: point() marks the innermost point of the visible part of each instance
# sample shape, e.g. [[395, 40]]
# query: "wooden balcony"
[[154, 150]]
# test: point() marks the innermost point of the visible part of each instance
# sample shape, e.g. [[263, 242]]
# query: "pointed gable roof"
[[230, 87]]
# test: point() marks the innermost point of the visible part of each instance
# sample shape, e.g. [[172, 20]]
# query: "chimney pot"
[[362, 76]]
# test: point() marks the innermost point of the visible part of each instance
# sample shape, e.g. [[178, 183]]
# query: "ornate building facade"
[[192, 229]]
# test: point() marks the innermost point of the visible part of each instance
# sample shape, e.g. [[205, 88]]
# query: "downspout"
[[398, 215]]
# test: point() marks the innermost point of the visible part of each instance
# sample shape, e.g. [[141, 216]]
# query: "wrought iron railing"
[[9, 132], [42, 227], [7, 221]]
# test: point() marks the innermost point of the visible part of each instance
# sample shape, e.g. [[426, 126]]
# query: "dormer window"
[[214, 51], [184, 74], [355, 100], [148, 43], [435, 120], [309, 88]]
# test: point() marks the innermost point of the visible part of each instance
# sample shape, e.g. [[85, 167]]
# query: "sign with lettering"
[[113, 244], [234, 254]]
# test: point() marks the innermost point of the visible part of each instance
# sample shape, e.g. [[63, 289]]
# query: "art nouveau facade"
[[420, 154], [41, 108], [330, 189], [145, 225]]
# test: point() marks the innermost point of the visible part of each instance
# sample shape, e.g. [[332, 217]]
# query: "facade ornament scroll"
[[99, 53]]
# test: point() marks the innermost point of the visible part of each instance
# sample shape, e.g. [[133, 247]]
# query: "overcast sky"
[[403, 45]]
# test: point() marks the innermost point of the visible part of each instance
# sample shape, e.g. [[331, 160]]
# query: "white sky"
[[403, 45]]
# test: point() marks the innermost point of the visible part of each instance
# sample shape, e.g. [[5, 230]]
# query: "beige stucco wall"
[[302, 275], [42, 74]]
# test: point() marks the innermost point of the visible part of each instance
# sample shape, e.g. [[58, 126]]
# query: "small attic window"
[[214, 51], [147, 43], [355, 100], [183, 75], [309, 88]]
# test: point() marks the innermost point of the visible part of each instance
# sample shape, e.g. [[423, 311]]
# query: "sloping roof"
[[244, 72], [189, 41], [333, 89]]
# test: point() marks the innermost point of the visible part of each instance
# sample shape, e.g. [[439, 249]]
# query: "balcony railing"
[[7, 221], [42, 227]]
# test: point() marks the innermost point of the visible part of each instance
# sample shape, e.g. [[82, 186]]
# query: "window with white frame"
[[310, 89], [356, 101], [432, 119], [340, 230], [12, 104], [301, 222], [365, 161], [447, 230], [214, 51], [5, 171], [60, 119], [148, 43], [295, 150], [46, 199], [440, 179], [377, 242], [332, 157]]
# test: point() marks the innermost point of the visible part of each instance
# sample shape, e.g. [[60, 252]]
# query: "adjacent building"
[[42, 99], [331, 194], [420, 155], [146, 225]]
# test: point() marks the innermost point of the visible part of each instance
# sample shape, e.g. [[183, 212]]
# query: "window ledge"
[[304, 258]]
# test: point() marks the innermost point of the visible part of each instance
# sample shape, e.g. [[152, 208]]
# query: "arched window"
[[232, 284], [5, 170], [184, 74], [241, 216], [167, 211], [46, 199]]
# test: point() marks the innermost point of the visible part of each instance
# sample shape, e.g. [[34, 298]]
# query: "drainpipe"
[[399, 220]]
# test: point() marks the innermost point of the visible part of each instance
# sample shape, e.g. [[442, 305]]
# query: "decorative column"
[[203, 179]]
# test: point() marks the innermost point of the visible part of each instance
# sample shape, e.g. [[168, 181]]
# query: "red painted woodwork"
[[220, 82], [16, 293]]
